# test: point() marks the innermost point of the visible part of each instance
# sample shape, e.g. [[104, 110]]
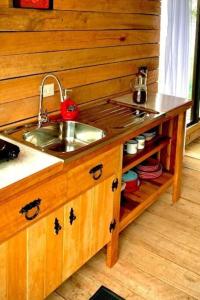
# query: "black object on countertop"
[[8, 151], [104, 293]]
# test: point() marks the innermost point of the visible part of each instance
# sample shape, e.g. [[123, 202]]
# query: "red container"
[[132, 186], [42, 4]]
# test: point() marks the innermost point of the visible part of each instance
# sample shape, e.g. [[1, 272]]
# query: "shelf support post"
[[180, 143]]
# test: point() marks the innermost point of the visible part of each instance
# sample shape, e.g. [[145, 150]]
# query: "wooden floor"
[[159, 253]]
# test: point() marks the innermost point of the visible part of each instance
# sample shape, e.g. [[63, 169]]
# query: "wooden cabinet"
[[87, 221], [31, 261], [36, 260], [86, 175], [19, 211], [44, 257]]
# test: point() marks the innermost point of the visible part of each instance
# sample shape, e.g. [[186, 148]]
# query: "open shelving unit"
[[151, 147], [133, 204], [138, 201]]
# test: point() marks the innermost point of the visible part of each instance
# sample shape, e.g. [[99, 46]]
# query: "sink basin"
[[64, 136]]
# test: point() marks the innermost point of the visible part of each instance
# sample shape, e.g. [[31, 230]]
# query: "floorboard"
[[159, 252]]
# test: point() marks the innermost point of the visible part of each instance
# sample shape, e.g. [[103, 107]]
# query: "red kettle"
[[69, 109]]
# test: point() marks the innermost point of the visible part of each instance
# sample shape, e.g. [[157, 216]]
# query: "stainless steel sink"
[[64, 136]]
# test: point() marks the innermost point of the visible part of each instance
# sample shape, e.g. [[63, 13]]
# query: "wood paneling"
[[140, 6], [19, 65], [34, 42], [5, 3], [14, 19], [25, 108], [20, 88], [94, 48]]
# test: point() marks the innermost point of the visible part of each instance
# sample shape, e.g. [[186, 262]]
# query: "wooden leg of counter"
[[112, 251], [180, 142]]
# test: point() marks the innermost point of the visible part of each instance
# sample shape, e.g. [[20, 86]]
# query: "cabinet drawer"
[[85, 176], [23, 209]]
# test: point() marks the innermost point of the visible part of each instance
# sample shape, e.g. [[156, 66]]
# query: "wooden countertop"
[[159, 102], [163, 104]]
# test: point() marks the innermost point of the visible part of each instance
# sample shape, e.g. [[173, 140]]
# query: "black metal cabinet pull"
[[112, 226], [57, 226], [27, 208], [72, 216], [96, 172], [115, 184]]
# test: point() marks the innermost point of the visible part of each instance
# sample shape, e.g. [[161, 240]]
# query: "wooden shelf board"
[[158, 143], [146, 189], [138, 201]]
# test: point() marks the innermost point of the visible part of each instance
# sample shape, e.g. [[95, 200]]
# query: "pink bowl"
[[150, 174], [149, 165]]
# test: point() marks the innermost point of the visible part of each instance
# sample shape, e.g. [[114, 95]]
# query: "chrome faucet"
[[42, 115]]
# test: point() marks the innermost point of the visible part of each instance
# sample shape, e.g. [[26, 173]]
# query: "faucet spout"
[[42, 115]]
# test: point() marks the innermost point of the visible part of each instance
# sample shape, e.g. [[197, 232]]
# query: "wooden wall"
[[94, 47]]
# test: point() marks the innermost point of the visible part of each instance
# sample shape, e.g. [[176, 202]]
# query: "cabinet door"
[[13, 268], [44, 255], [31, 261], [87, 221]]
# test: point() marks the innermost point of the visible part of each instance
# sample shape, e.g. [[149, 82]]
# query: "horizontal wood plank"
[[166, 247], [5, 3], [26, 108], [127, 6], [37, 20], [34, 42], [25, 87], [147, 286], [159, 267], [28, 64]]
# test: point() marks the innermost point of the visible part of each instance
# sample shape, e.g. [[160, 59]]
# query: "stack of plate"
[[149, 169], [149, 135]]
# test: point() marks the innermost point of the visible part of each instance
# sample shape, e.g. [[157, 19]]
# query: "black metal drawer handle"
[[72, 216], [26, 209], [57, 226], [96, 172]]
